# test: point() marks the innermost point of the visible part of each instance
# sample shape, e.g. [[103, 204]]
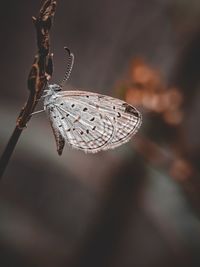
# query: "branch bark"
[[41, 71]]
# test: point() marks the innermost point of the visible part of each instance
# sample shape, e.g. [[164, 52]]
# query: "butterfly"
[[88, 121]]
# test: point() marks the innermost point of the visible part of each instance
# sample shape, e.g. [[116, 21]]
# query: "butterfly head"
[[51, 90], [50, 93], [54, 88]]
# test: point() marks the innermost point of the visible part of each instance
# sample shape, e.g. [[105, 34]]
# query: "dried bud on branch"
[[40, 73], [42, 65]]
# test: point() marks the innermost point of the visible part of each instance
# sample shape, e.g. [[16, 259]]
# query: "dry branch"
[[40, 73]]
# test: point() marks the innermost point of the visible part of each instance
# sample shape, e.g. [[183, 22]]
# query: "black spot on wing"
[[118, 114], [131, 110]]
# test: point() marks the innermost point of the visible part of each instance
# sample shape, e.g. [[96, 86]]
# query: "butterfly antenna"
[[69, 66]]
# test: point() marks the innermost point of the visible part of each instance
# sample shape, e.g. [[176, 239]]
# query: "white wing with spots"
[[89, 121]]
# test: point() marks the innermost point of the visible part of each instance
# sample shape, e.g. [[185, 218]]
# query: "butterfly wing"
[[93, 122], [78, 124], [125, 118], [60, 140]]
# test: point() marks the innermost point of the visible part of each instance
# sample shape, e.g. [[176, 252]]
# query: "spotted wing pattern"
[[91, 122]]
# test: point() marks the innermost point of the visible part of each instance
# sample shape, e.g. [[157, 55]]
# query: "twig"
[[40, 73]]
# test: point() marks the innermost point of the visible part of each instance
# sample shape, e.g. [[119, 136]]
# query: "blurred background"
[[137, 205]]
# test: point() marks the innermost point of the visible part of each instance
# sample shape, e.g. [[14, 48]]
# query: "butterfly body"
[[89, 121]]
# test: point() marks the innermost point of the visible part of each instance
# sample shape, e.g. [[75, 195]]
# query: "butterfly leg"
[[37, 112]]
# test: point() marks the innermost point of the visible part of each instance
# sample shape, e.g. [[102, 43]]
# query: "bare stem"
[[9, 149], [40, 73]]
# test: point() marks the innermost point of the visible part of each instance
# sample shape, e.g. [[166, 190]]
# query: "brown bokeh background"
[[137, 205]]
